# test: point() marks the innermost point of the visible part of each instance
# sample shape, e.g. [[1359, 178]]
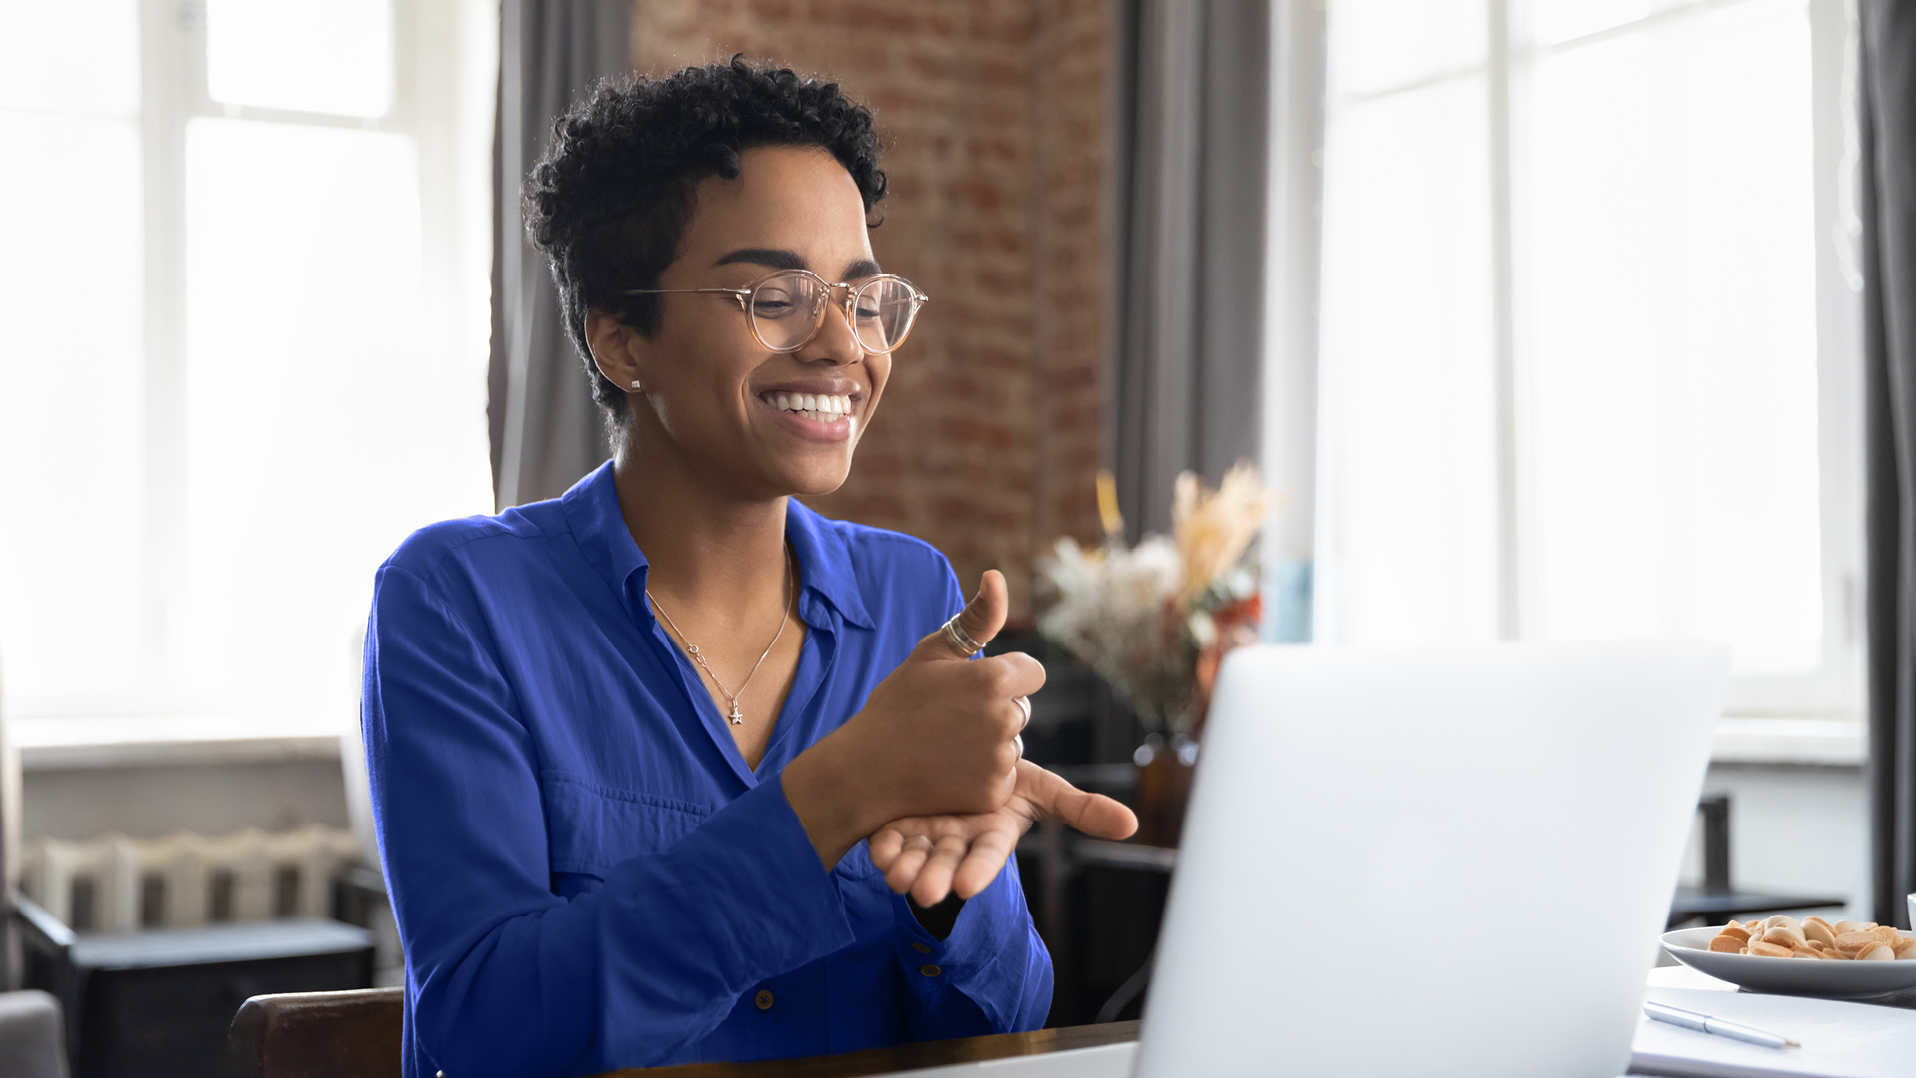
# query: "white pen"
[[1703, 1023]]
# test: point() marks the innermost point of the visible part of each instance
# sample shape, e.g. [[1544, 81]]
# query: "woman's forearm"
[[827, 790], [631, 974], [992, 972]]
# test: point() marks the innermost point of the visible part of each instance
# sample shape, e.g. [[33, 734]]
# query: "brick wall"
[[1074, 272], [997, 131]]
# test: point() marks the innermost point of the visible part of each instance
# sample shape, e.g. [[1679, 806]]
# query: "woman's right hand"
[[934, 738], [939, 855]]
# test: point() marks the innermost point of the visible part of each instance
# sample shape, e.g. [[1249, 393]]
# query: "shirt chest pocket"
[[591, 828]]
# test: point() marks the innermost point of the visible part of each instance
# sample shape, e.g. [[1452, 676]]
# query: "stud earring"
[[635, 383]]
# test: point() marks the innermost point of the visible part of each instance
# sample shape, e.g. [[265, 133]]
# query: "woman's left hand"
[[932, 856]]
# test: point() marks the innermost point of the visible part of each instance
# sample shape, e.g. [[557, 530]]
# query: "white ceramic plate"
[[1800, 976]]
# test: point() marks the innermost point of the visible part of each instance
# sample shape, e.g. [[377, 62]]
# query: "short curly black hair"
[[611, 197]]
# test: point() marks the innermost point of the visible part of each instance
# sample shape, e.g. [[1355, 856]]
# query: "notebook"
[[1839, 1039]]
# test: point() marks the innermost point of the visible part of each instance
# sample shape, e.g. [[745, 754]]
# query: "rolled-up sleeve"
[[506, 977]]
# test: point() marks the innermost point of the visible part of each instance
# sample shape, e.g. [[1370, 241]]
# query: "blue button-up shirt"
[[585, 872]]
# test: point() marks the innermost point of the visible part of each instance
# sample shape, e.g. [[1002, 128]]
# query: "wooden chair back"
[[317, 1035]]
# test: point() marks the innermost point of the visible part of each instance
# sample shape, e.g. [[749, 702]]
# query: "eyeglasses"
[[787, 308]]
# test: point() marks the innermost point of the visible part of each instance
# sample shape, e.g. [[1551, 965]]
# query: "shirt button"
[[930, 971], [921, 948], [763, 999]]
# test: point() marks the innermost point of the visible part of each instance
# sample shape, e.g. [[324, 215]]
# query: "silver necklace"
[[699, 656]]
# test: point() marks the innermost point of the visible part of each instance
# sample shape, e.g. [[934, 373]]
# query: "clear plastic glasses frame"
[[786, 308]]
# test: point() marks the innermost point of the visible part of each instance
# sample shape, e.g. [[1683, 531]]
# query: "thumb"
[[980, 620]]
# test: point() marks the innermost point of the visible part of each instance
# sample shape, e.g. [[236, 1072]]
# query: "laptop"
[[1449, 861]]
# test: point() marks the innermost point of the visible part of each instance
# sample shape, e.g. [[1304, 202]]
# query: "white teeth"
[[821, 408]]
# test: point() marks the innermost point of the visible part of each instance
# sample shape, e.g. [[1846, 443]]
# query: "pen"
[[1704, 1023]]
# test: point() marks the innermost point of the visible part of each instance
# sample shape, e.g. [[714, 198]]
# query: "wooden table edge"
[[907, 1056]]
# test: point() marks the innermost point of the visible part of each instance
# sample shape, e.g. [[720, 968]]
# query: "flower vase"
[[1165, 768], [1164, 787]]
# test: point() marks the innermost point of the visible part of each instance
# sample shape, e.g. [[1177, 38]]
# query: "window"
[[1589, 334], [243, 292]]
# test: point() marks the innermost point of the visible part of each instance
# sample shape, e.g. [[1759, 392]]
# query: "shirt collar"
[[825, 563], [592, 510]]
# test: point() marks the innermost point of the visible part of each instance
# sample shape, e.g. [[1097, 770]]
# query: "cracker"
[[1855, 941], [1814, 937], [1785, 936]]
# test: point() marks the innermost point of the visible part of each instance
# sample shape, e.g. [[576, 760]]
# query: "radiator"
[[118, 884]]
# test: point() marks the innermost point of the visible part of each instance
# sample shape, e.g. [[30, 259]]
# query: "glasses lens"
[[882, 312], [785, 310]]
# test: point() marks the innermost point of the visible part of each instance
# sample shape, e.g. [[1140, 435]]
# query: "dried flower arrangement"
[[1155, 619]]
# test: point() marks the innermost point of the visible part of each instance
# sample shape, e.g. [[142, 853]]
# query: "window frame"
[[443, 71], [173, 92], [1834, 691]]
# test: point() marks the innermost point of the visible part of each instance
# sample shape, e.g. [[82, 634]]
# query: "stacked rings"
[[964, 645], [959, 639]]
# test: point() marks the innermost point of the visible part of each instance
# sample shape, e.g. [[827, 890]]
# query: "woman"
[[626, 746]]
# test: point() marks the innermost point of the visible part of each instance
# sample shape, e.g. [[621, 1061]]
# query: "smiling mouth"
[[819, 408]]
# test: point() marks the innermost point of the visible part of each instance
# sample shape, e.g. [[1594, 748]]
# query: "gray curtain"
[[1887, 101], [546, 431], [11, 969], [1194, 124]]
